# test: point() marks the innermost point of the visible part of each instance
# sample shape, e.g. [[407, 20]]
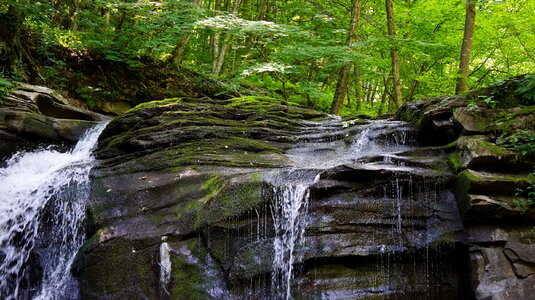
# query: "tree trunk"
[[386, 82], [218, 65], [343, 74], [14, 50], [358, 87], [469, 26], [177, 55], [396, 78]]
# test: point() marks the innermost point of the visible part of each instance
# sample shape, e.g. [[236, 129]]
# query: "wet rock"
[[32, 115], [433, 117], [491, 172], [205, 172], [501, 265]]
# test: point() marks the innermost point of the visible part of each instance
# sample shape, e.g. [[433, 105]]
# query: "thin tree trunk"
[[415, 84], [222, 53], [464, 64], [343, 75], [385, 95], [396, 78], [372, 94], [358, 87], [177, 55]]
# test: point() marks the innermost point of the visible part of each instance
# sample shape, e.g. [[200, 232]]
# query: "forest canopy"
[[339, 56]]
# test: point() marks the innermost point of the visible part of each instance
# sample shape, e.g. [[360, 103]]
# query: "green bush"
[[521, 140], [5, 88], [528, 195], [527, 90]]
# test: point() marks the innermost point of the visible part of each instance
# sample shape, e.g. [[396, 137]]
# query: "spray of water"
[[44, 192]]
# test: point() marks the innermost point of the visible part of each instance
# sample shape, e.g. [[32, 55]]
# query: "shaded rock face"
[[491, 175], [188, 197], [35, 115]]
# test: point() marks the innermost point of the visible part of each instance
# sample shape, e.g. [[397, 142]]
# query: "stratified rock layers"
[[190, 176], [492, 180]]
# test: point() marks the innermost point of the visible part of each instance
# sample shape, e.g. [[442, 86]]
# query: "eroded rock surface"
[[198, 178], [492, 179], [33, 115]]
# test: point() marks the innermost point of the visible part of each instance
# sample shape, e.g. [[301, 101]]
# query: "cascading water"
[[290, 189], [289, 206], [43, 193]]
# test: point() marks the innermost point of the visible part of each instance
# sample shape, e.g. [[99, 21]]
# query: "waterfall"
[[288, 208], [43, 197]]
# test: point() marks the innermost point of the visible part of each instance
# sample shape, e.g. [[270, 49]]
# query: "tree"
[[396, 78], [178, 51], [220, 52], [469, 26], [343, 75]]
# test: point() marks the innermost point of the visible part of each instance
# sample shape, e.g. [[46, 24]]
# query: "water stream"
[[323, 145], [42, 214], [290, 197]]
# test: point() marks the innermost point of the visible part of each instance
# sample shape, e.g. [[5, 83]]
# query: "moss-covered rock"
[[478, 153], [491, 151], [472, 185], [103, 277]]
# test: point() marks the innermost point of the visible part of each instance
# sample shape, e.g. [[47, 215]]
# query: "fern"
[[527, 90], [5, 88]]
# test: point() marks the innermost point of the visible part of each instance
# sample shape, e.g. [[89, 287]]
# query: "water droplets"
[[44, 193]]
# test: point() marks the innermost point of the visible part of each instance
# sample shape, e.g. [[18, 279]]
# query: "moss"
[[156, 219], [232, 198], [156, 103], [242, 197], [231, 152], [507, 120], [143, 270], [114, 259], [212, 187], [255, 146], [493, 148], [253, 102], [446, 239], [99, 188], [463, 187], [455, 161], [187, 282]]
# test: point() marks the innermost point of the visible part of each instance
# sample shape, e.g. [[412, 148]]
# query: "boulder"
[[32, 115], [501, 262]]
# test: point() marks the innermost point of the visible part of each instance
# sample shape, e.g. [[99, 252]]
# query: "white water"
[[32, 184], [291, 189], [289, 207], [165, 268]]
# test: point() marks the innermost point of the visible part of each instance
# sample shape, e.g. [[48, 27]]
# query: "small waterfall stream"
[[289, 206], [317, 151], [42, 216]]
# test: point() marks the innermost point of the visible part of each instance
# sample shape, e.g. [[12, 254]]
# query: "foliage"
[[528, 195], [294, 49], [521, 140], [5, 87], [86, 93], [489, 101], [527, 89]]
